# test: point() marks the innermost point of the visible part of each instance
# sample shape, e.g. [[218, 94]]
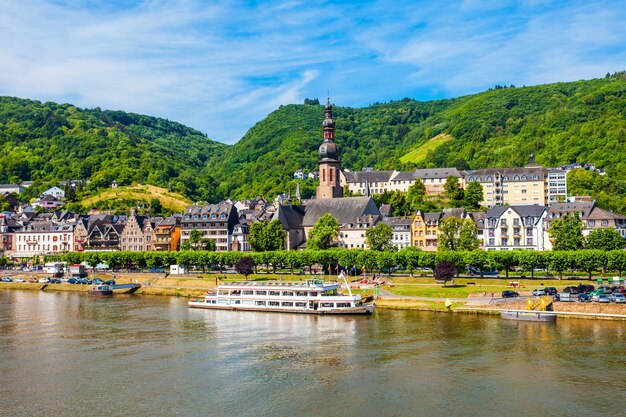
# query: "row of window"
[[505, 178], [205, 216], [298, 304]]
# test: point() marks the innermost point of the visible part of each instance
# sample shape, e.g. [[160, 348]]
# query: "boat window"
[[237, 301], [344, 305], [287, 304], [235, 292], [313, 293], [247, 302], [261, 293], [274, 292], [327, 304], [222, 301], [274, 303], [248, 292], [213, 301], [300, 304], [260, 303], [222, 292], [288, 293], [301, 293]]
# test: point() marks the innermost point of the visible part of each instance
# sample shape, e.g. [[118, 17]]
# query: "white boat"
[[313, 296]]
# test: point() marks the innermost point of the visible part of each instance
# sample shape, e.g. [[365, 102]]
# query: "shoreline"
[[381, 303]]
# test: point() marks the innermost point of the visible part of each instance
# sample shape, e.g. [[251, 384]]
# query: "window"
[[261, 293], [327, 305], [287, 303], [605, 223], [300, 304], [273, 303], [488, 178], [592, 222], [260, 303], [343, 305], [274, 292]]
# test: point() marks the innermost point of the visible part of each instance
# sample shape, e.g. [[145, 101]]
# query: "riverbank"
[[463, 295]]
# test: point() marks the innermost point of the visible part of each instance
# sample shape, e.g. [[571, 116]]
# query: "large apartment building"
[[520, 186], [371, 182], [213, 221]]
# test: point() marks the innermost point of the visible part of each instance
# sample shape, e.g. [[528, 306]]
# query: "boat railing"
[[317, 283]]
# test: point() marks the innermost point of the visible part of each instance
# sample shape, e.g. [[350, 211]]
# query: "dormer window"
[[488, 178], [523, 177], [516, 178], [214, 216], [195, 216]]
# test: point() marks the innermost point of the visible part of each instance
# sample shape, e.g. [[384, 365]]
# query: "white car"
[[44, 280], [538, 292], [20, 280], [618, 297]]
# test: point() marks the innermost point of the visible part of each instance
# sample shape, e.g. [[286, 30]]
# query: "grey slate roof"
[[345, 209], [509, 173], [522, 211], [291, 217], [371, 176]]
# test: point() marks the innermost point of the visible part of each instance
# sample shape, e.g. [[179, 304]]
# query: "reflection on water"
[[71, 355]]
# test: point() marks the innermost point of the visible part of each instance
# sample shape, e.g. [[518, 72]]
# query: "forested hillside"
[[582, 121], [47, 142], [560, 123]]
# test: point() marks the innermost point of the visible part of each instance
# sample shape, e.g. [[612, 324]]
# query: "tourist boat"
[[313, 296], [101, 290], [526, 315]]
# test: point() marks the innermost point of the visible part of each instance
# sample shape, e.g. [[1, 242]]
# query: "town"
[[514, 210]]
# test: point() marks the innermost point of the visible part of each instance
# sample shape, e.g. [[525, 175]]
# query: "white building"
[[401, 227], [300, 175], [43, 238], [55, 192], [515, 227]]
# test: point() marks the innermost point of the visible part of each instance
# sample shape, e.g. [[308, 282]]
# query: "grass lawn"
[[421, 152], [426, 287]]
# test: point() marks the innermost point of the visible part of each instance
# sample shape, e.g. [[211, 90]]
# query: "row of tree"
[[354, 260]]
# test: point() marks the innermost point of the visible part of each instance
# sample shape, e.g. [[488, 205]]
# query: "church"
[[354, 214]]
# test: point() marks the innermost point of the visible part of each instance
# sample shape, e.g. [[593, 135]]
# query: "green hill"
[[48, 142], [581, 121]]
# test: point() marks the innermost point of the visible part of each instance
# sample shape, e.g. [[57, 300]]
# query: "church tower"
[[330, 186]]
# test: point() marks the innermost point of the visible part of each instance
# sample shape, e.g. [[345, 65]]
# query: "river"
[[66, 354]]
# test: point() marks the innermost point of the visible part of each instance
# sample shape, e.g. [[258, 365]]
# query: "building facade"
[[329, 163], [213, 221], [43, 238], [401, 227], [514, 227]]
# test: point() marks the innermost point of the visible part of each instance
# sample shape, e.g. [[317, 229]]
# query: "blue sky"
[[221, 66]]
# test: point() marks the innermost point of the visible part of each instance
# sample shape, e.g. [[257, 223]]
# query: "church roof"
[[345, 209]]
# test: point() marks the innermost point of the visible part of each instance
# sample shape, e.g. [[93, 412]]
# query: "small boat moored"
[[101, 291], [525, 315]]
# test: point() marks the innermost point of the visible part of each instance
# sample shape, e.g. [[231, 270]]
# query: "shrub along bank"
[[359, 260]]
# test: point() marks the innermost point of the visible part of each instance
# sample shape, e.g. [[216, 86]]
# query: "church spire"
[[328, 152]]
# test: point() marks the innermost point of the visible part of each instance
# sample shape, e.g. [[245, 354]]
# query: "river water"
[[66, 354]]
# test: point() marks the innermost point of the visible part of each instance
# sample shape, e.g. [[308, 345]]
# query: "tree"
[[558, 261], [156, 208], [453, 190], [444, 271], [567, 233], [379, 237], [589, 260], [194, 238], [208, 244], [605, 239], [457, 234], [415, 195], [245, 266], [477, 259], [323, 233], [502, 259], [266, 236], [473, 195], [528, 260], [617, 261]]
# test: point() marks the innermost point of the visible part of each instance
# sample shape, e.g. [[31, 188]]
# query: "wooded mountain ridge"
[[560, 123]]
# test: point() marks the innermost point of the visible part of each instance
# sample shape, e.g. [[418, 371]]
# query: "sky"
[[222, 66]]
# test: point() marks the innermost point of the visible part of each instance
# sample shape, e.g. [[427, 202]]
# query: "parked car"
[[538, 292], [557, 297], [571, 290], [44, 280], [73, 281], [20, 280], [618, 297], [110, 282], [54, 281], [603, 298], [84, 281], [509, 294], [550, 290], [97, 281], [65, 279], [584, 298], [156, 271], [585, 288], [6, 279]]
